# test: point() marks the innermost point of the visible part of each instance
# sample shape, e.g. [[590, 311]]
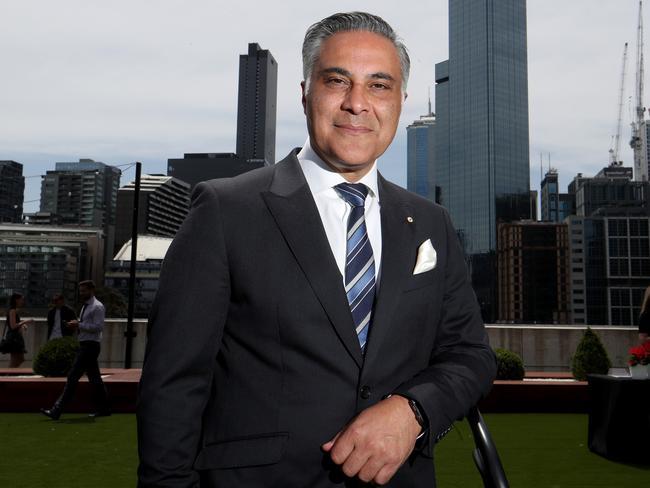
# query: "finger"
[[342, 448], [370, 469], [355, 462], [328, 445], [385, 474]]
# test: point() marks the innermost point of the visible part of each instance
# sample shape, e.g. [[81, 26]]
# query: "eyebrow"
[[343, 72]]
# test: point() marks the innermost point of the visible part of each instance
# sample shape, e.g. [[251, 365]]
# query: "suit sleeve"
[[184, 335], [462, 365]]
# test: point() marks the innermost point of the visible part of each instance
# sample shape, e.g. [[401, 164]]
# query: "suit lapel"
[[292, 205], [397, 260]]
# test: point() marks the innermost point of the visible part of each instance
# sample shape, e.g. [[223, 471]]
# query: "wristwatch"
[[416, 411]]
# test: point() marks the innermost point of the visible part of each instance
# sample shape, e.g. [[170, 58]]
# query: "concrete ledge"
[[540, 392]]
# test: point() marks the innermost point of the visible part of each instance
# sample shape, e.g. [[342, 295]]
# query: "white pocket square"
[[426, 258]]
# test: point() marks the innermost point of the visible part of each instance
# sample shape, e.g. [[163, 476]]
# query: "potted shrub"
[[509, 365], [55, 358], [590, 357]]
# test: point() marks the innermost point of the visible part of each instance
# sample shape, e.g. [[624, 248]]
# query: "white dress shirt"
[[56, 328], [334, 211], [91, 322]]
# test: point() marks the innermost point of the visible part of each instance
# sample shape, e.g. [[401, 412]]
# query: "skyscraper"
[[481, 151], [481, 147], [256, 117], [12, 189], [163, 204], [420, 162], [83, 194], [256, 109]]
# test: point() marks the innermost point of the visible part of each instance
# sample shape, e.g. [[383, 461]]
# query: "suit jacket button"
[[365, 392]]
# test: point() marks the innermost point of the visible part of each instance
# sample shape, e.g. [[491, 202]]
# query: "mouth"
[[353, 129]]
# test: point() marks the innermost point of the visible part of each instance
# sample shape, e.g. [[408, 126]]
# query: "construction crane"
[[639, 139], [613, 152]]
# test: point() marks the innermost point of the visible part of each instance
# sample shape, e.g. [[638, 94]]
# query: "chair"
[[485, 454]]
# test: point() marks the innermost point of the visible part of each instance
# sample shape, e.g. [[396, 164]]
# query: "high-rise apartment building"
[[163, 204], [533, 267], [610, 265], [12, 189], [481, 146], [256, 120], [420, 163], [256, 109], [555, 206], [84, 194]]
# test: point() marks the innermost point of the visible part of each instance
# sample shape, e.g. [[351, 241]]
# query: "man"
[[57, 318], [314, 324], [90, 326]]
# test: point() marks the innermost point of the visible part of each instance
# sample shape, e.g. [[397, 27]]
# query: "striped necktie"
[[359, 261]]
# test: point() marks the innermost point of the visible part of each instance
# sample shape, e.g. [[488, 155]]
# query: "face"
[[58, 301], [354, 101], [85, 293], [20, 302]]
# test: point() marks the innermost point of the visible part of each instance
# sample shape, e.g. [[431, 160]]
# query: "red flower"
[[639, 354]]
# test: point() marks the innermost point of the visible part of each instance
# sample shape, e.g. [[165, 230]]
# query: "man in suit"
[[57, 318], [314, 324]]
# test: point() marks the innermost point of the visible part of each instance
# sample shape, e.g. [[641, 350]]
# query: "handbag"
[[11, 341]]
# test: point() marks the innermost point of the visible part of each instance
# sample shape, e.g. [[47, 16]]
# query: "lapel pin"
[[409, 219]]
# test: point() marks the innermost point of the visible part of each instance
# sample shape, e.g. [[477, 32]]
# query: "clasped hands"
[[376, 442]]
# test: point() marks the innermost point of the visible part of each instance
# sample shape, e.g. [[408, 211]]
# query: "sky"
[[145, 80]]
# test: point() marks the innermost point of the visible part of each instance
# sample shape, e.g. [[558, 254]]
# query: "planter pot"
[[639, 372]]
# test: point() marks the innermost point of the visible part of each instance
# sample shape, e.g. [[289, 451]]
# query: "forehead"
[[361, 49]]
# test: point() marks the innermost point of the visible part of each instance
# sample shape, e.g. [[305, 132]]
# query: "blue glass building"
[[481, 146], [420, 163]]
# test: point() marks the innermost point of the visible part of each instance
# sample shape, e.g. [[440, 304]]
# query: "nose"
[[355, 100]]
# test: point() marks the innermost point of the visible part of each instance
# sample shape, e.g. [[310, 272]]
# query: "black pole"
[[130, 333]]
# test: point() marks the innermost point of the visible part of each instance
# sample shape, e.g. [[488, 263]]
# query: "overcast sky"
[[149, 80]]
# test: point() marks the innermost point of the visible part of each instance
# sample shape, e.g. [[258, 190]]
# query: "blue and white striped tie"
[[359, 261]]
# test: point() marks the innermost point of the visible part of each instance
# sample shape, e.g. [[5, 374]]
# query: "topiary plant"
[[509, 365], [590, 357], [55, 358]]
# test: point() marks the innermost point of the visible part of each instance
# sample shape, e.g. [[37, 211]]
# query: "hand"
[[377, 442], [73, 323]]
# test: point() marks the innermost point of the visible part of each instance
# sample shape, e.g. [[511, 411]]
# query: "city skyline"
[[94, 82]]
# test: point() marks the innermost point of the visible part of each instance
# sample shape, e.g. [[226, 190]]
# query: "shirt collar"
[[321, 177]]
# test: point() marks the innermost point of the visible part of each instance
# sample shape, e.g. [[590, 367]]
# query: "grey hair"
[[345, 22]]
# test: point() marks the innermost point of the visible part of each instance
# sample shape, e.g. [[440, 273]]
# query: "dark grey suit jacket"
[[252, 360]]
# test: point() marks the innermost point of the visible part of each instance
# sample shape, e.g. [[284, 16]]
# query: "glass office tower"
[[420, 163], [483, 156], [481, 146]]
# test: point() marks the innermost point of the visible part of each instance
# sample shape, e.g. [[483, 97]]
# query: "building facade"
[[163, 204], [12, 190], [420, 162], [84, 194], [256, 109], [196, 167], [39, 261], [610, 266], [482, 149], [533, 269], [150, 255], [481, 146]]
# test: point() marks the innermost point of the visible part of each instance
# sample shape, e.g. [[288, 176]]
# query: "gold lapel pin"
[[409, 219]]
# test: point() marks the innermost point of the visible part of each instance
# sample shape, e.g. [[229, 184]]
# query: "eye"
[[335, 81], [380, 86]]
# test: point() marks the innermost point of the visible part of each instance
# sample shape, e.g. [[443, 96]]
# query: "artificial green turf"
[[74, 452], [537, 450]]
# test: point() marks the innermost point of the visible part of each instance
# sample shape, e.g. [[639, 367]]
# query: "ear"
[[304, 97]]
